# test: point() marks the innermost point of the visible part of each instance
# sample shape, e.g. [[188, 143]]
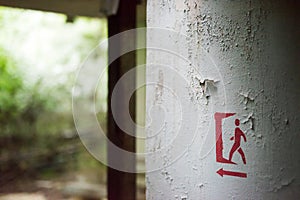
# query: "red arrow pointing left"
[[222, 172]]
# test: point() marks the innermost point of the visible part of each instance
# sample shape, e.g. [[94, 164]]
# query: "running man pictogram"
[[238, 133]]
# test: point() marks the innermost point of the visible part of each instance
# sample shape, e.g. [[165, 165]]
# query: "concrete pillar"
[[224, 100]]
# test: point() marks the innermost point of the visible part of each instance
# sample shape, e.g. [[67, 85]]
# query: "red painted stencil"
[[236, 147], [223, 172]]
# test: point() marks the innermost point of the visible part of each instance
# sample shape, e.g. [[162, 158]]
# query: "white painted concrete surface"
[[237, 57]]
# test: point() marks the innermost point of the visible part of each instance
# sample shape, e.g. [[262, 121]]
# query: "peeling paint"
[[184, 197], [247, 97], [284, 184], [167, 176], [201, 88], [252, 44], [249, 119]]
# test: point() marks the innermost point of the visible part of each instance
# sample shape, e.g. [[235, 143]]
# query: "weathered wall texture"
[[238, 57]]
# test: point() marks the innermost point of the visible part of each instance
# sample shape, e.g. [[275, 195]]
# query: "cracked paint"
[[252, 45]]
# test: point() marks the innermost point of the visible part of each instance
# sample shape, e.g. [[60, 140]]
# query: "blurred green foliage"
[[10, 84], [38, 61], [20, 104]]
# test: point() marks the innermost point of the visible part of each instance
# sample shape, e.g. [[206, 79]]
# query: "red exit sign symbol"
[[238, 137]]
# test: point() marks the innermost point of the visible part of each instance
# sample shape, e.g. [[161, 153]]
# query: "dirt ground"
[[28, 190], [63, 188]]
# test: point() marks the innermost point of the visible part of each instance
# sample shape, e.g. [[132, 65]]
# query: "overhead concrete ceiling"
[[89, 8]]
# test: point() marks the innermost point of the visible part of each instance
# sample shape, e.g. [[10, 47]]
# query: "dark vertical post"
[[121, 185]]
